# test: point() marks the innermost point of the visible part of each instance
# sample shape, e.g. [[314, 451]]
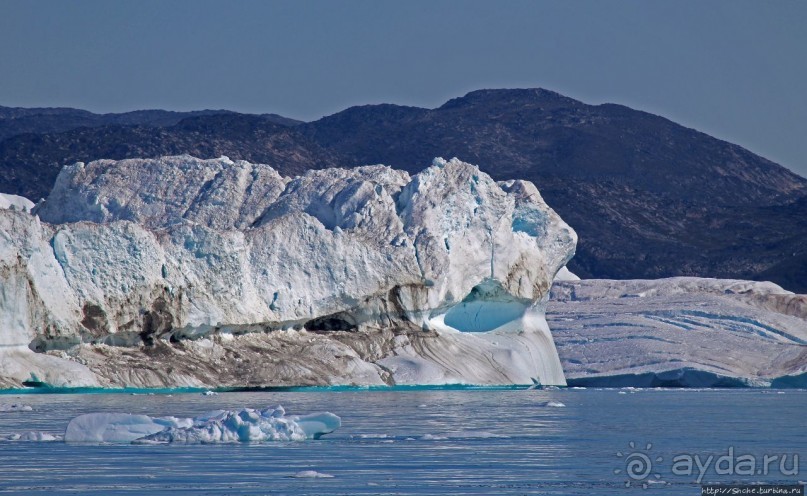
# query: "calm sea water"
[[426, 442]]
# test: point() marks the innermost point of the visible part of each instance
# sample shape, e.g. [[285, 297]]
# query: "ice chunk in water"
[[32, 436], [311, 474], [113, 427], [219, 426], [318, 424]]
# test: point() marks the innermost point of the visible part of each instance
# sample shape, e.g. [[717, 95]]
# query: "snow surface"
[[346, 276], [220, 426], [14, 202], [565, 274], [218, 193]]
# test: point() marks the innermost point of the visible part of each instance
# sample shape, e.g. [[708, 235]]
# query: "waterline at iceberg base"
[[180, 272]]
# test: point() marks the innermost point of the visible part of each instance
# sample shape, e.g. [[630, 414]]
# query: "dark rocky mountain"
[[542, 135], [29, 163], [15, 121], [648, 197]]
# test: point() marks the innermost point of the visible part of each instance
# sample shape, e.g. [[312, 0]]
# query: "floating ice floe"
[[373, 436], [476, 434], [220, 426], [311, 474], [433, 437], [15, 407], [31, 436]]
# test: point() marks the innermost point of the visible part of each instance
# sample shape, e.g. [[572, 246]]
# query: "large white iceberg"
[[221, 426], [187, 272]]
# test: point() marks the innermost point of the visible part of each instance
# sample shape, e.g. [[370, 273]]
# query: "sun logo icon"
[[638, 465]]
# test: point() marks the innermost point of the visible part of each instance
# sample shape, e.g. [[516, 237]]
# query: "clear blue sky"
[[735, 69]]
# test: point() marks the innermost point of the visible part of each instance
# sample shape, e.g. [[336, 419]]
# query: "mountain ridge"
[[18, 120]]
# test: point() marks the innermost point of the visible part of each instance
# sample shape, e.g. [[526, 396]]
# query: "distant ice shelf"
[[680, 332]]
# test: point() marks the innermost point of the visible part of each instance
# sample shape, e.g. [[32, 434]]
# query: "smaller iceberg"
[[220, 426], [311, 474], [31, 436]]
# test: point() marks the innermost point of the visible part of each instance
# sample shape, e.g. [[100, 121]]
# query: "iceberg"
[[222, 426], [679, 332], [112, 427], [311, 474], [181, 272], [33, 436]]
